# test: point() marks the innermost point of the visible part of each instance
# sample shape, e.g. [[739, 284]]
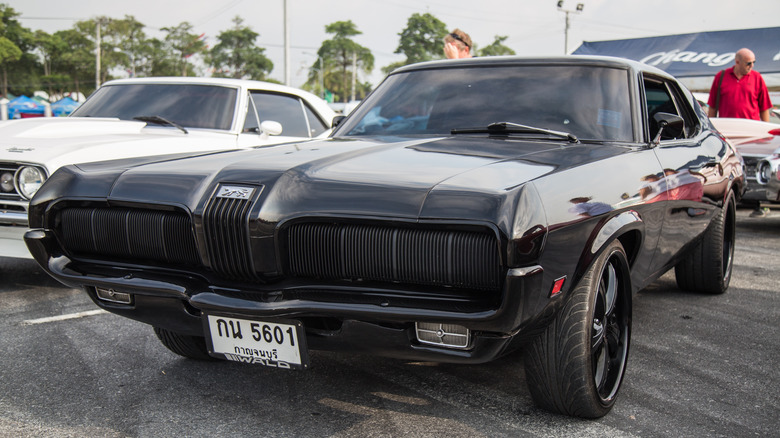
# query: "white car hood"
[[739, 131], [54, 142]]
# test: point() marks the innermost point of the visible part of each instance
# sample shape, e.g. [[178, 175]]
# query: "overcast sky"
[[533, 27]]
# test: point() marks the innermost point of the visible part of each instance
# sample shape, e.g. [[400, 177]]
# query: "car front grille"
[[226, 228], [331, 252], [751, 166], [8, 190], [131, 235], [462, 259]]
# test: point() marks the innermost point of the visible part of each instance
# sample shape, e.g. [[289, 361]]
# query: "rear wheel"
[[192, 347], [708, 267], [575, 367]]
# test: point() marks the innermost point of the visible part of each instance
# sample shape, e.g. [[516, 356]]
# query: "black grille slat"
[[129, 234], [463, 259], [226, 227]]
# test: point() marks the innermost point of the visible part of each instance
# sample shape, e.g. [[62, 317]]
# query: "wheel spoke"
[[607, 352], [610, 286], [613, 336], [601, 367], [598, 336]]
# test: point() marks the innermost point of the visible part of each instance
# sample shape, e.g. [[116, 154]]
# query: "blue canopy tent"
[[63, 107], [23, 106], [695, 58]]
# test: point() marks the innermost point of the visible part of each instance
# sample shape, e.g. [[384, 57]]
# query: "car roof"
[[319, 104], [224, 82], [604, 61]]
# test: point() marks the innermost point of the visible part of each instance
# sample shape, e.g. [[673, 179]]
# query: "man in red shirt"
[[743, 93]]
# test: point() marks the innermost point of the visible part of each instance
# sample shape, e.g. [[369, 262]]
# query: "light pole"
[[580, 7], [286, 46], [98, 23]]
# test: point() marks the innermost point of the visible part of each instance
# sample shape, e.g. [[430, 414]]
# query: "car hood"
[[760, 147], [56, 141], [739, 131], [385, 177]]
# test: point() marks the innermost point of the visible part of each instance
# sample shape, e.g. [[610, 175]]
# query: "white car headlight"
[[28, 180]]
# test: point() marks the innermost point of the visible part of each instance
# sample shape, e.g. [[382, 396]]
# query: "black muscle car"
[[465, 209]]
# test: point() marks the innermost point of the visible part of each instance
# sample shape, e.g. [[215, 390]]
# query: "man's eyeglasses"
[[750, 63]]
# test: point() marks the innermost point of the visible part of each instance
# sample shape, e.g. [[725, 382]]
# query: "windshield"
[[192, 106], [590, 102]]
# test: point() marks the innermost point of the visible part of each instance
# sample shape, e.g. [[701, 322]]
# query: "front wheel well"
[[631, 241]]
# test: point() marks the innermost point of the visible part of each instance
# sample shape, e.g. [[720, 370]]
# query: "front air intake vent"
[[463, 259], [226, 228], [133, 235]]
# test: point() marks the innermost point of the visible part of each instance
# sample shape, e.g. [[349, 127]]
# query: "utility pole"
[[286, 47], [321, 77], [580, 7], [98, 23], [354, 75]]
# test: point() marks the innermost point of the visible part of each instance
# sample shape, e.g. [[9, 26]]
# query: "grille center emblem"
[[235, 192]]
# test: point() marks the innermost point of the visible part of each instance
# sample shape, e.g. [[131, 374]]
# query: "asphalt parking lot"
[[699, 366]]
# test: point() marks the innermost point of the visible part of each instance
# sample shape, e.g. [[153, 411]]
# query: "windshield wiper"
[[505, 128], [158, 120]]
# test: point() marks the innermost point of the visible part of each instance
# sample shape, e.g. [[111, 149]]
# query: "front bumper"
[[12, 241], [763, 178], [177, 301]]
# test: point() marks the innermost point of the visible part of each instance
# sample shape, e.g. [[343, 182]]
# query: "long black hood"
[[341, 176], [388, 177]]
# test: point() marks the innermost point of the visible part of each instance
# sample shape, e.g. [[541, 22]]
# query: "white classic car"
[[144, 117], [758, 143]]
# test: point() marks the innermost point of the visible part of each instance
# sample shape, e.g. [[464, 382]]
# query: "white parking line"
[[63, 317]]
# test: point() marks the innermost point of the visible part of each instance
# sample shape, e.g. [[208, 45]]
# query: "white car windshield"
[[188, 105]]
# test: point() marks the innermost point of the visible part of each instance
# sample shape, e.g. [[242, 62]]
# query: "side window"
[[658, 101], [251, 124], [316, 126], [664, 97], [285, 109]]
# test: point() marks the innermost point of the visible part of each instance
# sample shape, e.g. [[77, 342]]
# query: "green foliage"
[[17, 63], [185, 44], [496, 48], [9, 52], [422, 39], [78, 61], [237, 56], [129, 44], [341, 57]]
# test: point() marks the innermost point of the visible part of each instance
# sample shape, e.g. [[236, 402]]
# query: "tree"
[[50, 48], [342, 58], [111, 55], [497, 48], [421, 40], [237, 56], [78, 61], [128, 41], [160, 60], [185, 44], [16, 45], [9, 52]]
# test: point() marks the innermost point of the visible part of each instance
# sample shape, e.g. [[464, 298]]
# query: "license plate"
[[279, 344]]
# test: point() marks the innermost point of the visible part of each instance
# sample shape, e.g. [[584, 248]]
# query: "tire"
[[708, 266], [192, 347], [575, 367]]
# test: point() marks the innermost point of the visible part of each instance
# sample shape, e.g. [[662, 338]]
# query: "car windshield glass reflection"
[[587, 101], [192, 106]]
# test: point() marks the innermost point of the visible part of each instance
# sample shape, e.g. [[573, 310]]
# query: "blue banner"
[[695, 54]]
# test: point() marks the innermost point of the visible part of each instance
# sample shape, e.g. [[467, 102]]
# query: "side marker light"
[[557, 286]]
